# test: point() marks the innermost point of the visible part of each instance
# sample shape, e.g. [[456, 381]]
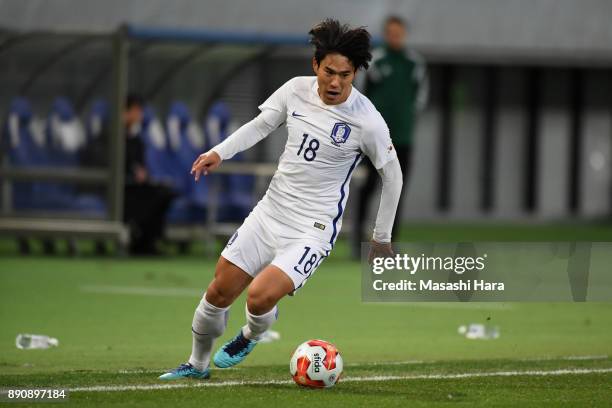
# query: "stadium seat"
[[62, 141], [184, 144], [95, 154], [65, 138], [236, 197], [97, 120], [65, 134], [158, 157], [24, 150], [161, 164]]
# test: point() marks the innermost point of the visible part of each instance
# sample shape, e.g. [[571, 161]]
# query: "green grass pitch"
[[121, 322]]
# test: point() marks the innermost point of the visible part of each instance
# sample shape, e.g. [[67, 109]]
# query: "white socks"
[[257, 325], [209, 322]]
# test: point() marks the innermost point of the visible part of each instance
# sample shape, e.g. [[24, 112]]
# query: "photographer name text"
[[433, 286]]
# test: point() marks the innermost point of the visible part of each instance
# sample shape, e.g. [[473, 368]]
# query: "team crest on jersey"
[[340, 132]]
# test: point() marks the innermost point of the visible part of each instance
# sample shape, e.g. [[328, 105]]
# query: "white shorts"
[[262, 240]]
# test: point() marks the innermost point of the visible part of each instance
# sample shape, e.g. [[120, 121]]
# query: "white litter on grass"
[[150, 387], [478, 331], [269, 336]]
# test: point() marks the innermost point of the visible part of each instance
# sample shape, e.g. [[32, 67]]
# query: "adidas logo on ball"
[[317, 363]]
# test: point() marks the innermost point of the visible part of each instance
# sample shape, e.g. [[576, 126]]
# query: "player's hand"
[[379, 250], [204, 163]]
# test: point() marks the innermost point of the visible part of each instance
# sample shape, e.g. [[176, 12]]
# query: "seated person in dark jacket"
[[145, 203]]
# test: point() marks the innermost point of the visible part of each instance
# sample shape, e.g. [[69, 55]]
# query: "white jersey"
[[325, 144]]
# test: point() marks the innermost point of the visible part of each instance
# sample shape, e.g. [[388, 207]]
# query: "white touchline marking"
[[140, 290], [159, 371], [149, 387], [382, 363], [546, 358], [601, 357], [569, 358]]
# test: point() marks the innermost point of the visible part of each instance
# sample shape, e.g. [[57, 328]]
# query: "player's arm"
[[391, 175], [242, 139], [377, 145], [273, 114]]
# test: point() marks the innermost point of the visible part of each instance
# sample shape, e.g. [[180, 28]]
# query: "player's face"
[[395, 35], [335, 75]]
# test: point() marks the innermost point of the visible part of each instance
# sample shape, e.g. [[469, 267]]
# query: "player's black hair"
[[330, 37], [134, 99]]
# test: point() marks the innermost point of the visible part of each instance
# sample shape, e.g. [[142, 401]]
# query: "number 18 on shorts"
[[258, 244]]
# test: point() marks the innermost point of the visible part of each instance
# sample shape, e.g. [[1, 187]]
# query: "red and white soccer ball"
[[316, 364]]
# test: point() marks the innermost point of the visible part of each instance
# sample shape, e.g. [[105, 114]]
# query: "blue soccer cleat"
[[186, 371], [234, 351]]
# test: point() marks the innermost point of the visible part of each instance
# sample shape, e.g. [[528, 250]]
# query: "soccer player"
[[285, 238]]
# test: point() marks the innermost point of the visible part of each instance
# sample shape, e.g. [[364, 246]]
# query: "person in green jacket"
[[397, 85]]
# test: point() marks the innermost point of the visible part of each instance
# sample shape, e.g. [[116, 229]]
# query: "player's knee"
[[218, 296], [260, 301]]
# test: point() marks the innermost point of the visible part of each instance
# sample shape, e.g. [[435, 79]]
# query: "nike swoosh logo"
[[297, 115]]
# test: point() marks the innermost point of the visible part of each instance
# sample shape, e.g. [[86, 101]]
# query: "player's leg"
[[287, 273], [210, 318], [245, 254], [266, 290]]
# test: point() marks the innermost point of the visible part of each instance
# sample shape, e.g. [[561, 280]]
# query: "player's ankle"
[[198, 365]]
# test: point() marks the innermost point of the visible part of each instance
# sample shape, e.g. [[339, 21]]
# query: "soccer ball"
[[316, 364]]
